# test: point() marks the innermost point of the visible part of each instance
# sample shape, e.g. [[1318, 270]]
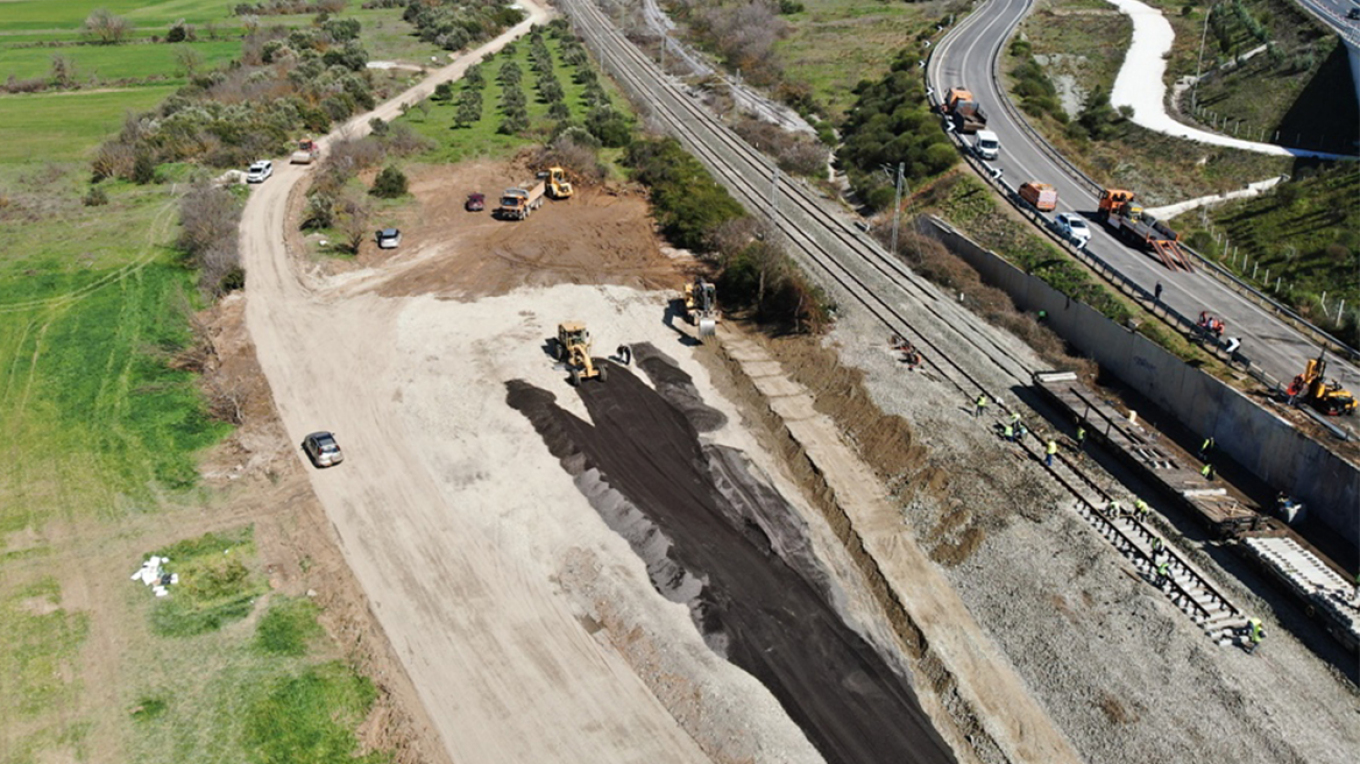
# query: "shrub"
[[95, 197], [143, 169], [688, 202], [390, 183], [210, 218]]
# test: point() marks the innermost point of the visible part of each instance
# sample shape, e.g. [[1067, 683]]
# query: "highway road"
[[968, 57]]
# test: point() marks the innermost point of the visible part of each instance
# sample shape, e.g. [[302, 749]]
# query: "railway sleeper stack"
[[1185, 586], [1327, 595]]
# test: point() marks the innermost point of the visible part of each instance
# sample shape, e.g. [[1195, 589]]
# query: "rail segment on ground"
[[959, 349]]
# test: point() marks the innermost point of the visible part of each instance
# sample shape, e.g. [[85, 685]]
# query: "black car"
[[1353, 14], [322, 449]]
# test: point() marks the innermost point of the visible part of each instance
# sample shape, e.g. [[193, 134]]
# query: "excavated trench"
[[717, 537]]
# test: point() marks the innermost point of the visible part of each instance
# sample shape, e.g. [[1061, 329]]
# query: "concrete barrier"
[[1267, 444]]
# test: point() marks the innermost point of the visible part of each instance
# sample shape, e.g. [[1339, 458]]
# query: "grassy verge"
[[257, 686]]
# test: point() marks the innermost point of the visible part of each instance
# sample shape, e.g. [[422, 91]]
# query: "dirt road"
[[505, 670]]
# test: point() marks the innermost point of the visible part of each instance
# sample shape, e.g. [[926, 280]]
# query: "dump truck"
[[1136, 227], [306, 153], [1327, 396], [701, 306], [572, 348], [518, 203], [963, 110], [1041, 196]]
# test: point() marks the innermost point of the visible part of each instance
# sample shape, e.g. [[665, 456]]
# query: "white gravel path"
[[1140, 84]]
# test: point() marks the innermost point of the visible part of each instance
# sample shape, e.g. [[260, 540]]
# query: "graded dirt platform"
[[723, 537]]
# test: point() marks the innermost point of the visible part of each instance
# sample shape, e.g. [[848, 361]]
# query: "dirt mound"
[[601, 235]]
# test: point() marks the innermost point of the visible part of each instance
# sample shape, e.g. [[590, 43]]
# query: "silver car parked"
[[322, 449]]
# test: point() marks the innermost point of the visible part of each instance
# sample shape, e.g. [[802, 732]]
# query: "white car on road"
[[259, 171], [1073, 227]]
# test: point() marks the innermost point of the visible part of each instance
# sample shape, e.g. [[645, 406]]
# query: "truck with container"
[[1040, 196], [306, 153], [518, 203], [963, 110]]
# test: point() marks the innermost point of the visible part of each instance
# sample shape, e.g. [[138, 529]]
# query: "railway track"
[[825, 243]]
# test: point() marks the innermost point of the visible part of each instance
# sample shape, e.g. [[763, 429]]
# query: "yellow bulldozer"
[[701, 306], [1327, 396], [572, 347]]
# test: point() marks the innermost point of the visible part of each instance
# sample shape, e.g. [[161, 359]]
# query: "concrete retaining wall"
[[1251, 435]]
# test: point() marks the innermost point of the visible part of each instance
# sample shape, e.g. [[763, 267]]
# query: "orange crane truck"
[[1140, 229]]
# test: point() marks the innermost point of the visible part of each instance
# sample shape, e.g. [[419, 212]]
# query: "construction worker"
[[1158, 548], [979, 405], [1254, 634], [1163, 573], [1140, 508], [1049, 451], [625, 354], [1207, 471], [1113, 509], [1015, 417], [1081, 438], [1009, 432], [1206, 447]]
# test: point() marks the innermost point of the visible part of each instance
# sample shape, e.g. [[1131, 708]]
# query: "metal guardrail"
[[1230, 279]]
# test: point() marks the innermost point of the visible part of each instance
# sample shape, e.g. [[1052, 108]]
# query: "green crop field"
[[56, 127], [115, 62], [46, 14]]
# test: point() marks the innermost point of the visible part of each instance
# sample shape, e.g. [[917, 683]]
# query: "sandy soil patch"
[[602, 235]]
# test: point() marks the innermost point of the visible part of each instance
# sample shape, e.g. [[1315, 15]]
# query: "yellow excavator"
[[1327, 396], [701, 306], [572, 348]]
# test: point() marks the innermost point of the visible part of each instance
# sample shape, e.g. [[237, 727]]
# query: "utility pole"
[[1194, 90], [897, 206], [663, 52]]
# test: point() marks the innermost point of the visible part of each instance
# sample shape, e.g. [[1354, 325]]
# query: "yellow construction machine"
[[558, 185], [572, 347], [701, 306], [1327, 396]]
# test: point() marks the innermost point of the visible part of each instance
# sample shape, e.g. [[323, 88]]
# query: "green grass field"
[[61, 127], [115, 62], [67, 14], [834, 44], [259, 690]]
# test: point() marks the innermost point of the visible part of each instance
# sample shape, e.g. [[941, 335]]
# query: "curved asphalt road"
[[967, 57]]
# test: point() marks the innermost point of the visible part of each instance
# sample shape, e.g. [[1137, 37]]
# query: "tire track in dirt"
[[766, 613]]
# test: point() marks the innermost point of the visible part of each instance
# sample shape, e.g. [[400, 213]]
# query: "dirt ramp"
[[762, 601]]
